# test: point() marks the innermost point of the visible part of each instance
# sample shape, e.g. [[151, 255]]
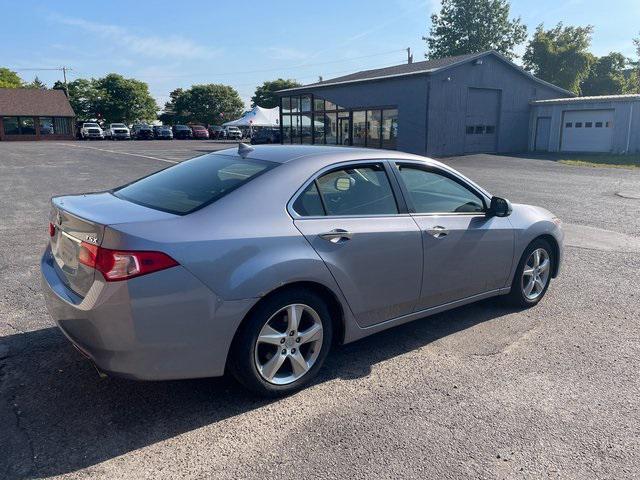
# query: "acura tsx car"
[[256, 260]]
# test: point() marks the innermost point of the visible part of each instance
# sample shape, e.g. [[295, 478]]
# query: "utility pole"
[[409, 55]]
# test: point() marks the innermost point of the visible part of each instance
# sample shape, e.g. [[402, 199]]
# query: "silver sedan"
[[257, 260]]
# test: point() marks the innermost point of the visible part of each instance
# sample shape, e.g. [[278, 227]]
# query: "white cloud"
[[173, 46]]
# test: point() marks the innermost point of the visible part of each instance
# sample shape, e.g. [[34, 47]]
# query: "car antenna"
[[244, 149]]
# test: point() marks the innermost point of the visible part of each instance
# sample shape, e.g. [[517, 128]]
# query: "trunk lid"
[[83, 218]]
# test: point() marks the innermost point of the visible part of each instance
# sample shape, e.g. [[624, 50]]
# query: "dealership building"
[[34, 114], [471, 103]]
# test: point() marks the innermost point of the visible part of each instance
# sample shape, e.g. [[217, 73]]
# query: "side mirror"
[[499, 207]]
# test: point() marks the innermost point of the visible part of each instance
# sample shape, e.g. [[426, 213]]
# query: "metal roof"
[[415, 68], [593, 99], [34, 102]]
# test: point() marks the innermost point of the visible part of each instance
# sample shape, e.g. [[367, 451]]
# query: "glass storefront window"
[[389, 128], [11, 126], [295, 104], [318, 104], [27, 126], [331, 128], [305, 128], [295, 128], [286, 104], [318, 128], [305, 103], [46, 126], [329, 105], [359, 128], [373, 128], [286, 128]]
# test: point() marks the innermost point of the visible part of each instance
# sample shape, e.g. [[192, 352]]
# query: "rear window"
[[193, 184]]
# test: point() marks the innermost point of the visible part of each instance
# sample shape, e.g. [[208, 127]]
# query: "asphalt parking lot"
[[477, 392]]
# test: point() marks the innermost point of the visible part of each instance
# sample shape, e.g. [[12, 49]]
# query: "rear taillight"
[[118, 265], [52, 230]]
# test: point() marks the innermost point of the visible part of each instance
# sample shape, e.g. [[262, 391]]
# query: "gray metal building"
[[465, 104], [608, 123]]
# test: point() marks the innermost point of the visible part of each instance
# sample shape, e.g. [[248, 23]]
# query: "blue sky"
[[242, 43]]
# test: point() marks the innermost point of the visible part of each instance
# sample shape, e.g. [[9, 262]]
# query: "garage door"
[[481, 125], [587, 131]]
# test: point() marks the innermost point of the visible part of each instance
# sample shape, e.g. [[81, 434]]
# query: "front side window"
[[193, 184], [357, 190], [432, 192]]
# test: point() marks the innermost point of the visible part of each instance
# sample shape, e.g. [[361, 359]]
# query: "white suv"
[[91, 130], [117, 131], [234, 133]]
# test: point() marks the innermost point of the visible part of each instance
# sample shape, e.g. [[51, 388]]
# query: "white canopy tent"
[[257, 117]]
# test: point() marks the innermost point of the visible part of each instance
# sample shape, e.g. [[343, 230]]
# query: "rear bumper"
[[166, 325]]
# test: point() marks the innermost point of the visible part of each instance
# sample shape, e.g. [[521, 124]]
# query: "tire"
[[251, 360], [518, 297]]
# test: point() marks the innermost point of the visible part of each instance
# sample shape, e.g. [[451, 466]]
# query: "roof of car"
[[333, 154]]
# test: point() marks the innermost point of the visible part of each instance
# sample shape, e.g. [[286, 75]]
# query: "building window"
[[568, 125], [305, 103], [469, 130], [318, 104], [389, 128], [331, 128], [286, 105], [490, 129], [359, 128], [306, 123], [46, 126], [27, 126], [373, 128], [479, 129], [608, 124], [588, 124], [62, 125], [598, 124], [578, 124], [329, 105], [11, 126], [318, 128]]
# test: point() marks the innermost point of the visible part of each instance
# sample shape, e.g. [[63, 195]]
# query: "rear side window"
[[193, 184], [357, 190]]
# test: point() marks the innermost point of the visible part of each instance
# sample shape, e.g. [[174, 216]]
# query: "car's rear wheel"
[[533, 275], [283, 344]]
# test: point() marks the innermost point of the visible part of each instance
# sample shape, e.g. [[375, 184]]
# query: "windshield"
[[91, 125], [182, 127], [193, 184], [118, 125]]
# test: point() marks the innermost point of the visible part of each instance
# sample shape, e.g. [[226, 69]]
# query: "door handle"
[[336, 235], [437, 231]]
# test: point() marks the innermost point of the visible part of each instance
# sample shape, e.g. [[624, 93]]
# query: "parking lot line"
[[119, 153]]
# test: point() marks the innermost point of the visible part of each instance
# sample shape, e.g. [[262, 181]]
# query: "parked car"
[[142, 131], [117, 131], [163, 132], [182, 132], [341, 244], [217, 133], [199, 132], [91, 130], [233, 133], [266, 135]]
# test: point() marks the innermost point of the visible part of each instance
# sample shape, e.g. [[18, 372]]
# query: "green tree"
[[633, 75], [265, 96], [606, 76], [169, 115], [470, 26], [9, 79], [209, 104], [83, 96], [560, 55], [125, 100], [36, 84]]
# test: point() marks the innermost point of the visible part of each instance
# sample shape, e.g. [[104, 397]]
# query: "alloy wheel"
[[535, 274], [288, 344]]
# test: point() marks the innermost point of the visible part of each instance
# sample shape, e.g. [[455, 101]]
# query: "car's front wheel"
[[533, 274], [283, 344]]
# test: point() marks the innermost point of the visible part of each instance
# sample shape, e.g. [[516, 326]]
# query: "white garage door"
[[587, 131]]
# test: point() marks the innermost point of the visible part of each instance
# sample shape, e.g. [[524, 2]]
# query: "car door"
[[373, 248], [466, 252]]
